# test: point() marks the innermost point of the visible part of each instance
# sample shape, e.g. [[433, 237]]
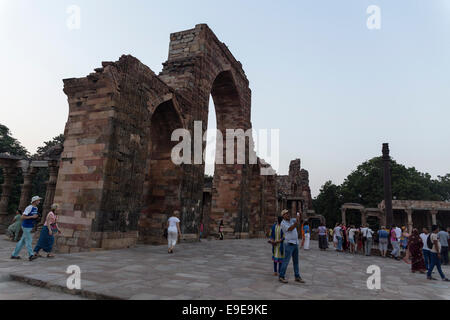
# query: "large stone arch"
[[199, 65], [115, 179]]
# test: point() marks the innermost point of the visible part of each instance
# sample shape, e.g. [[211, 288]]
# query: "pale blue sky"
[[316, 72]]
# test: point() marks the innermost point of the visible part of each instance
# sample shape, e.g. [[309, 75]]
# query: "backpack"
[[429, 242]]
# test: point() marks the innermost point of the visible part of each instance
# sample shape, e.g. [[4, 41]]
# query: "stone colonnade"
[[11, 167]]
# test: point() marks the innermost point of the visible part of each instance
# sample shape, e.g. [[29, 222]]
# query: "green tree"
[[328, 203], [365, 186], [10, 145]]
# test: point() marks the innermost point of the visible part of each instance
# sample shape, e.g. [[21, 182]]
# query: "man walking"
[[435, 249], [29, 218], [394, 241], [425, 249], [443, 240], [368, 244], [338, 232], [289, 228]]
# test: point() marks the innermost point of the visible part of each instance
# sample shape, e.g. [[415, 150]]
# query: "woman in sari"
[[48, 232], [415, 246], [277, 239]]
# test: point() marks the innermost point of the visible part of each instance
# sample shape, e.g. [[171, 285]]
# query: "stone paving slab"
[[229, 269]]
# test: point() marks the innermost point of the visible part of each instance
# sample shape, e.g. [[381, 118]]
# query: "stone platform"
[[229, 269]]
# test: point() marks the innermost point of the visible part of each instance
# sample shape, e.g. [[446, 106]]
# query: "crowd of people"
[[425, 251]]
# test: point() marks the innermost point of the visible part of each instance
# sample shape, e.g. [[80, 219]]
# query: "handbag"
[[165, 233]]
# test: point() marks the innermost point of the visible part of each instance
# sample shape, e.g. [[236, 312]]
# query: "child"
[[14, 228]]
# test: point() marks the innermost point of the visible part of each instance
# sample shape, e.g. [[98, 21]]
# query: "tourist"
[[173, 230], [48, 232], [338, 233], [344, 237], [323, 237], [307, 235], [395, 245], [369, 240], [277, 239], [351, 238], [29, 217], [443, 240], [404, 245], [433, 242], [383, 240], [425, 250], [415, 247], [302, 231], [289, 228], [221, 237], [200, 232], [14, 229], [359, 241]]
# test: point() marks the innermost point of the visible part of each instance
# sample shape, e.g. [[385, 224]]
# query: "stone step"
[[88, 294]]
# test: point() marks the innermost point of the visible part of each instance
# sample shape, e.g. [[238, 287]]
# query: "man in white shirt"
[[351, 238], [425, 249], [338, 233], [289, 228], [435, 254], [367, 233]]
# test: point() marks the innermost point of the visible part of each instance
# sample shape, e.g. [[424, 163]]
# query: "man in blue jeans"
[[425, 249], [290, 246], [435, 254], [29, 216]]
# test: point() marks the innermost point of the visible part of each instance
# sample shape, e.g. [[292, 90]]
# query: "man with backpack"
[[435, 249]]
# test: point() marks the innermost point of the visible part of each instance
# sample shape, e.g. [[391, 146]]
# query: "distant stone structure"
[[408, 213], [294, 193]]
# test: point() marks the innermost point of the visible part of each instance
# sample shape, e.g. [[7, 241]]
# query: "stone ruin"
[[116, 182]]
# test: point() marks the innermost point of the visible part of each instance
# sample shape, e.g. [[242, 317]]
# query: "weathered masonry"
[[117, 183]]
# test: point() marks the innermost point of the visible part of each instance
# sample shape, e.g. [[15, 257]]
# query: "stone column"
[[343, 215], [433, 217], [410, 222], [363, 218], [51, 187], [25, 195], [9, 173]]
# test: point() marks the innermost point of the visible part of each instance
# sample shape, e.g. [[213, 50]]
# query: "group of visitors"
[[27, 221], [424, 252], [352, 239]]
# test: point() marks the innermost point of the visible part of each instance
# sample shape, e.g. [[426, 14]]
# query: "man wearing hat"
[[289, 228], [29, 217]]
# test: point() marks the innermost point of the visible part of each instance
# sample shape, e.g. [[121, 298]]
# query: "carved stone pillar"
[[343, 216], [410, 222], [433, 216], [25, 195], [9, 173], [51, 187]]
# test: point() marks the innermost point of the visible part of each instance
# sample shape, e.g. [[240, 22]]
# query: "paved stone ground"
[[229, 269]]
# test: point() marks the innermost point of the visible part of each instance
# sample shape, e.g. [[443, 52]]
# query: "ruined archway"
[[162, 189], [116, 178]]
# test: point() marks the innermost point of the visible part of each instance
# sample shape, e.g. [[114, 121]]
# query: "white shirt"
[[398, 233], [435, 249], [289, 236], [369, 233], [364, 231], [351, 233], [424, 237], [337, 231], [173, 224]]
